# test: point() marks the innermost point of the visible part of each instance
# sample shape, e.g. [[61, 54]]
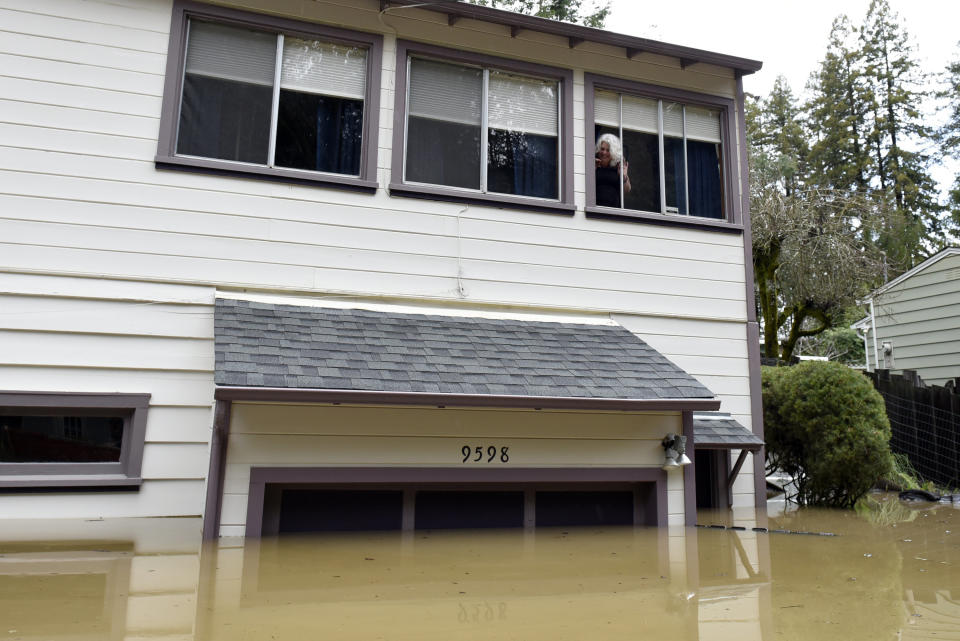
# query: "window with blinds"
[[269, 99], [672, 155], [482, 129]]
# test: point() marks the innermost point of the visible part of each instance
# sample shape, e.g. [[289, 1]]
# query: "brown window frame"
[[733, 221], [167, 157], [126, 472], [564, 77]]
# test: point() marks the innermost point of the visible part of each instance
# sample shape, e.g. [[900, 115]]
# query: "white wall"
[[366, 436], [60, 334], [80, 95]]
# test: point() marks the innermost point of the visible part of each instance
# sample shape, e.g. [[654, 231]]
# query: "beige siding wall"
[[298, 435], [62, 334], [920, 317]]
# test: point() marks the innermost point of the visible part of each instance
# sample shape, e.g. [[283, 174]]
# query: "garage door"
[[295, 509]]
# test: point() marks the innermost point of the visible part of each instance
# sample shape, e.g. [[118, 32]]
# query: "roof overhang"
[[720, 431], [362, 397], [576, 34]]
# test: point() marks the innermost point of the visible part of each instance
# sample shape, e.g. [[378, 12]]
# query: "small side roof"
[[719, 431]]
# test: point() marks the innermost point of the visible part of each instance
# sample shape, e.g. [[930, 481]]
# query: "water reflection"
[[889, 573]]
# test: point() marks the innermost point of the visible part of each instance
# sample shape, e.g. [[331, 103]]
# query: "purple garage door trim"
[[360, 476]]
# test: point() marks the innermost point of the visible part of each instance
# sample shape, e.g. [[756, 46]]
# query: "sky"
[[788, 36]]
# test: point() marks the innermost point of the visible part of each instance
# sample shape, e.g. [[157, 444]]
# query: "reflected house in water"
[[335, 268]]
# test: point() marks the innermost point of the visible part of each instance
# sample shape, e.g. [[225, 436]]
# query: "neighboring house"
[[914, 321], [265, 261]]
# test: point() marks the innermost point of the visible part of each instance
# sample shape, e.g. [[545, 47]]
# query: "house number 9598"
[[478, 454]]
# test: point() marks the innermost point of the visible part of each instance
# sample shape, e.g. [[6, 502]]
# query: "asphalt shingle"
[[719, 430], [260, 344]]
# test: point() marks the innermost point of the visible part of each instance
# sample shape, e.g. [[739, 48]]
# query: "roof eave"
[[375, 397], [577, 33]]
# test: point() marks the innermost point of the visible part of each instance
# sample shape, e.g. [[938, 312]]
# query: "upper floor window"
[[477, 127], [659, 154], [286, 99]]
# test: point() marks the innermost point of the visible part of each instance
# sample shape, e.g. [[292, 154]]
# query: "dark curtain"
[[673, 157], [703, 166], [535, 166], [339, 132]]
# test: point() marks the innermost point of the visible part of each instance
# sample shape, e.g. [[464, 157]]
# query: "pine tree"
[[949, 134], [839, 155], [780, 135], [894, 118]]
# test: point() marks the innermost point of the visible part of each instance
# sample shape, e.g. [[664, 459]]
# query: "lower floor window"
[[71, 439]]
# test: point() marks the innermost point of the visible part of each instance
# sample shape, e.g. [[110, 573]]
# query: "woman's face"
[[604, 154]]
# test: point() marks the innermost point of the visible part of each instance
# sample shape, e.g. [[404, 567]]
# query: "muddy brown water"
[[890, 572]]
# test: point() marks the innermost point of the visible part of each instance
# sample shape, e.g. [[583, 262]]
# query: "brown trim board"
[[689, 473], [261, 476], [374, 397], [575, 34], [218, 460], [753, 327]]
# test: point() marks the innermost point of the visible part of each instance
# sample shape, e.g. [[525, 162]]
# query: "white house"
[[316, 265]]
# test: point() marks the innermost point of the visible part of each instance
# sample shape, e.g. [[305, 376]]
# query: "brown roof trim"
[[576, 33], [709, 445], [365, 397]]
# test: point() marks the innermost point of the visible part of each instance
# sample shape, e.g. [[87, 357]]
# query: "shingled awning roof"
[[719, 431], [352, 353]]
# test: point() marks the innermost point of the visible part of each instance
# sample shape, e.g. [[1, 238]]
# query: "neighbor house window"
[[49, 439], [276, 99], [475, 126], [673, 150]]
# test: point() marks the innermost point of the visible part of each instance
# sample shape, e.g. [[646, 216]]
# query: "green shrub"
[[826, 426]]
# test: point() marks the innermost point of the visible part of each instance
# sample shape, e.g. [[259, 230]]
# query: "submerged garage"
[[333, 419]]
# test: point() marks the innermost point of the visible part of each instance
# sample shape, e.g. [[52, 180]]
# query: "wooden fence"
[[926, 424]]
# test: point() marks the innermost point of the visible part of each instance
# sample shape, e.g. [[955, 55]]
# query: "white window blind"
[[445, 92], [519, 103], [640, 114], [703, 124], [606, 108], [231, 53], [673, 119], [323, 68]]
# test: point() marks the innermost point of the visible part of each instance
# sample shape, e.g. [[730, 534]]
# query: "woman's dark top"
[[608, 186]]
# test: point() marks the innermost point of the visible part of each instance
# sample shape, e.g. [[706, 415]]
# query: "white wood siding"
[[80, 97], [95, 335], [920, 317]]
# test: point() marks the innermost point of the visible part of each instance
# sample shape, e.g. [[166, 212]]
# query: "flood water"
[[891, 572]]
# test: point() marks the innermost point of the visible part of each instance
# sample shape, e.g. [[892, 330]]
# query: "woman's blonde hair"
[[616, 149]]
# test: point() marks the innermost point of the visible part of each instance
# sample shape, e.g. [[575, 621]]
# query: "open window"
[[270, 96], [658, 153], [71, 440]]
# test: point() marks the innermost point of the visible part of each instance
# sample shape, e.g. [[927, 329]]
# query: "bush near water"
[[826, 426]]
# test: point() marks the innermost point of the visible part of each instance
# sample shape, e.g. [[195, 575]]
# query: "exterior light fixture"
[[674, 451]]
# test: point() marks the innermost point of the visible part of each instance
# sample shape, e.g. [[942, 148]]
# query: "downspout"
[[873, 330]]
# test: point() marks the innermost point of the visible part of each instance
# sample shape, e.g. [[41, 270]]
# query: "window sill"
[[228, 168], [672, 220], [68, 481], [494, 200]]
